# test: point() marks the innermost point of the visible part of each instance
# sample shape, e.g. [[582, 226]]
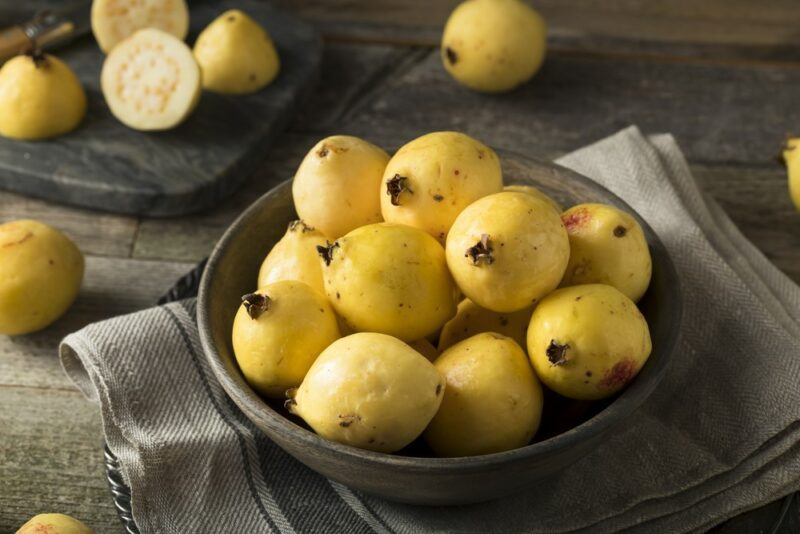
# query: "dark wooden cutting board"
[[105, 165]]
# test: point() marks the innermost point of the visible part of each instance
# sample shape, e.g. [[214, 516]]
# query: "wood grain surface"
[[719, 75], [734, 29]]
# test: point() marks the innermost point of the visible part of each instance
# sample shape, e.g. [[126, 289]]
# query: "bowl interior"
[[232, 271]]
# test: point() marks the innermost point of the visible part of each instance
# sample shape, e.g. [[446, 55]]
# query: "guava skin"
[[41, 271], [587, 342], [493, 46], [236, 54], [295, 257], [40, 98], [370, 391], [432, 178], [278, 332], [507, 250], [607, 246], [492, 402], [471, 319], [389, 278], [54, 524], [335, 188]]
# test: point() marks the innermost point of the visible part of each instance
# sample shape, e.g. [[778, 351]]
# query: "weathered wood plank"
[[111, 287], [349, 72], [732, 28], [738, 28], [719, 114], [757, 200], [100, 234], [51, 459], [191, 238]]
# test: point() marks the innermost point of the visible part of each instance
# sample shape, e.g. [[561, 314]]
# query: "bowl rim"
[[626, 403]]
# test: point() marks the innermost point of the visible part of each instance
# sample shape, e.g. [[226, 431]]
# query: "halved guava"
[[115, 20], [151, 80]]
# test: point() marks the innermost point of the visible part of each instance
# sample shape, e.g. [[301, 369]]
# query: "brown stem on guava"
[[326, 252], [620, 231], [255, 304], [556, 353], [395, 186], [481, 251], [35, 53]]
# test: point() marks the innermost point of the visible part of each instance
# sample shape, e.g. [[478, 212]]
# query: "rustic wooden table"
[[718, 74]]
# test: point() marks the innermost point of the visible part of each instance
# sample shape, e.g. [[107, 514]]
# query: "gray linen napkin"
[[718, 437]]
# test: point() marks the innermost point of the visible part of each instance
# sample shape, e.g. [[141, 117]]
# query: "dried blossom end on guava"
[[256, 304], [481, 252], [557, 353], [396, 186], [326, 252]]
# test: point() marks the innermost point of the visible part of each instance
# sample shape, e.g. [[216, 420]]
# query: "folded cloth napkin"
[[718, 437]]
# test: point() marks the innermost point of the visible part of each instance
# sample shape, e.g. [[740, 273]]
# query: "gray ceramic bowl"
[[411, 476]]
